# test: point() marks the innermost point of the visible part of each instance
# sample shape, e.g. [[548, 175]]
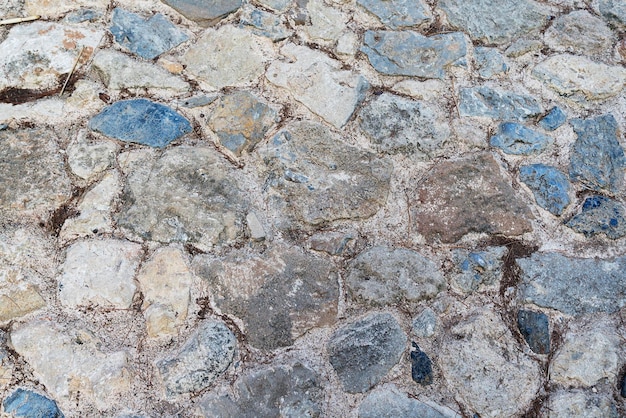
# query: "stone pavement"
[[341, 208]]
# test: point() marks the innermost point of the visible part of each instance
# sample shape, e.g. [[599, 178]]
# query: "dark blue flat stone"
[[535, 328], [549, 186], [27, 404], [554, 119], [600, 215], [421, 366], [517, 139]]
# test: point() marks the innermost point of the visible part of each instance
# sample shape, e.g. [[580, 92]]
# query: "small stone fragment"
[[363, 351], [265, 24], [389, 402], [397, 14], [514, 138], [423, 90], [554, 119], [476, 270], [549, 186], [424, 324], [579, 32], [490, 62], [83, 15], [204, 12], [535, 329], [421, 366], [88, 158], [579, 403], [613, 10], [28, 404], [499, 105], [257, 232], [600, 215]]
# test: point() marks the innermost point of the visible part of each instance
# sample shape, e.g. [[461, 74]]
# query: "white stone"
[[579, 32], [84, 100], [55, 8], [88, 158], [422, 90], [327, 23], [348, 44], [254, 225]]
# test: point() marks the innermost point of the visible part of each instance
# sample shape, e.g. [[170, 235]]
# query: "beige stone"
[[17, 296]]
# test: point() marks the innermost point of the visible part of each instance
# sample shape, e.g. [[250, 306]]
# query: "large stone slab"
[[204, 12], [579, 32], [396, 14], [390, 402], [580, 403], [497, 104]]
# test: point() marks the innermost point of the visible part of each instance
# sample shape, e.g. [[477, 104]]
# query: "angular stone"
[[480, 357], [398, 125], [477, 270], [421, 366], [52, 9], [88, 158], [579, 32], [335, 243], [424, 324], [327, 23], [490, 62], [318, 82], [28, 404], [278, 295], [204, 12], [577, 403], [322, 178], [362, 352], [147, 38], [535, 329], [140, 121], [264, 24], [580, 77], [468, 195], [397, 14], [393, 276], [412, 54], [597, 158], [82, 15], [554, 119], [549, 186], [207, 353], [495, 25], [257, 232], [552, 280], [522, 47], [495, 104], [514, 138], [600, 215], [613, 10], [186, 195], [389, 402]]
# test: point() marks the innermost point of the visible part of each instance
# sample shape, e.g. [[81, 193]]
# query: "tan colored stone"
[[17, 296]]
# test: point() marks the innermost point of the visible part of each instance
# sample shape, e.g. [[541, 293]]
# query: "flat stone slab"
[[490, 62], [397, 14], [390, 402], [265, 24], [514, 138], [600, 215], [497, 104], [613, 10], [584, 403], [579, 32], [549, 186], [204, 12]]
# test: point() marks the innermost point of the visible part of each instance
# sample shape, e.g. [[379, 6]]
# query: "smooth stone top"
[[496, 104], [397, 14], [549, 186], [204, 12], [535, 329], [517, 139]]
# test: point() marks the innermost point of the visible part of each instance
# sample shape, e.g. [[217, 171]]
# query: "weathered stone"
[[495, 104], [549, 186], [600, 215], [147, 38], [204, 12], [277, 5], [393, 276], [82, 15], [580, 77], [28, 404], [186, 195], [51, 9], [397, 14], [597, 158], [412, 54], [613, 10], [398, 125], [140, 121], [555, 281], [327, 23], [389, 402], [257, 232], [477, 270], [322, 178], [421, 90], [554, 119], [535, 329], [579, 32], [578, 403], [480, 357], [347, 44], [264, 24], [514, 138], [88, 158], [523, 46], [335, 242], [318, 82], [421, 366], [207, 353], [424, 324], [490, 62], [278, 295], [495, 25], [363, 351], [468, 195]]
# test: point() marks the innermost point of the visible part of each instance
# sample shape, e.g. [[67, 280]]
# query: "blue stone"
[[83, 15], [554, 119], [140, 121], [549, 186], [600, 215], [535, 329], [597, 158], [421, 366], [517, 139], [265, 24], [499, 105], [476, 269], [27, 404], [412, 54], [146, 38], [490, 62], [397, 14]]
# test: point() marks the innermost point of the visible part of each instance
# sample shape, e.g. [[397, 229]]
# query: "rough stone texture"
[[496, 104], [88, 158], [362, 352], [468, 195], [613, 10], [490, 62], [204, 12], [326, 23], [389, 402], [396, 14], [554, 119], [424, 324], [421, 366], [535, 329], [479, 357], [578, 403], [393, 276], [579, 32], [514, 138], [549, 186], [574, 286], [477, 270], [204, 357], [521, 47], [409, 53], [600, 215], [311, 77], [28, 404], [264, 23], [322, 178], [398, 125]]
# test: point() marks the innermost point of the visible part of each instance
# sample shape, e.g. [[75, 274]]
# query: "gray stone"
[[393, 276], [389, 402], [397, 14], [325, 24], [495, 104], [322, 178], [265, 24], [573, 286], [335, 242], [398, 125], [579, 32], [549, 186], [535, 329], [89, 158], [523, 46], [477, 270], [613, 10], [495, 25], [580, 404], [425, 324], [206, 354], [489, 62], [204, 12], [412, 54], [514, 138], [362, 352], [600, 215]]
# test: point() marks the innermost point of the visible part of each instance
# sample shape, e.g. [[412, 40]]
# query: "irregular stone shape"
[[322, 178], [490, 62], [88, 158], [469, 195], [480, 357], [622, 386], [600, 215], [67, 364], [389, 402], [165, 282], [240, 121], [424, 324], [421, 366], [397, 14], [554, 119], [535, 329], [580, 77], [549, 186], [265, 24], [393, 276], [52, 9], [147, 38], [257, 232], [28, 404], [326, 23], [278, 295], [362, 352], [140, 121], [100, 272], [82, 15], [228, 56], [522, 47], [398, 125], [204, 12], [564, 404], [597, 158], [477, 270], [495, 25], [319, 83], [613, 10], [579, 32], [335, 243], [207, 353], [495, 104], [186, 195], [587, 355], [552, 280], [412, 54], [514, 138]]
